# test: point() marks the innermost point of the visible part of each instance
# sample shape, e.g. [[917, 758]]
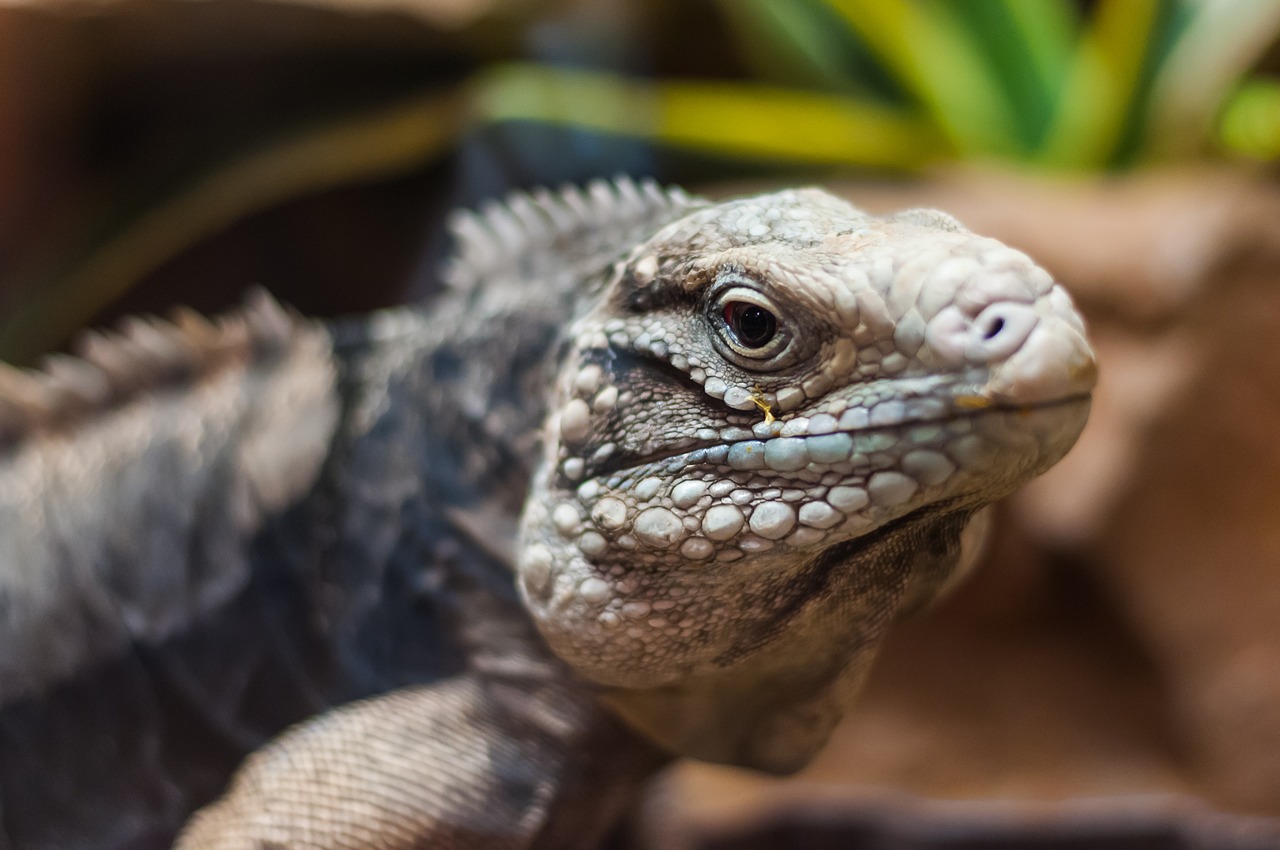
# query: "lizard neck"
[[772, 701]]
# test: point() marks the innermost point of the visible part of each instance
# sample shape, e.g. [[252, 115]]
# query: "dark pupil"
[[753, 326]]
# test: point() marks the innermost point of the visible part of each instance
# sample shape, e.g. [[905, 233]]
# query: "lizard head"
[[770, 436]]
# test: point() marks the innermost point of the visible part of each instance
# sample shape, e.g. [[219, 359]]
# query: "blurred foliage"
[[527, 92], [1251, 122], [909, 83]]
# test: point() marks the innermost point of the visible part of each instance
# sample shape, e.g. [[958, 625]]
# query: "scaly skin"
[[746, 437], [698, 536]]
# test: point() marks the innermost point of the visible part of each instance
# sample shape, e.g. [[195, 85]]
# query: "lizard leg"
[[465, 763]]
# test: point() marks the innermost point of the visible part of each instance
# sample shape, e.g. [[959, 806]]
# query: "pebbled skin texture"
[[721, 531], [512, 548]]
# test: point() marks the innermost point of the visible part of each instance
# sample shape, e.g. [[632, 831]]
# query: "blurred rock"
[[818, 821]]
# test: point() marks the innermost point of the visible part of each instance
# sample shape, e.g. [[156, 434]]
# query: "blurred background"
[[1112, 674]]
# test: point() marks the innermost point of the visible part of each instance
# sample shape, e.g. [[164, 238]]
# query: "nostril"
[[999, 331], [993, 328], [995, 333]]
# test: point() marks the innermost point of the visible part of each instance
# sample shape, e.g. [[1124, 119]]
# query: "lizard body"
[[719, 447]]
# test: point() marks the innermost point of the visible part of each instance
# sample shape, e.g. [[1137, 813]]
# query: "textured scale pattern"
[[913, 364]]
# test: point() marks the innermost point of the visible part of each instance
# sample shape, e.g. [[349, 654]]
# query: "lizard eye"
[[752, 331], [753, 325]]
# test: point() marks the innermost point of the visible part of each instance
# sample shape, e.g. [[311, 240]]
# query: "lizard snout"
[[995, 334], [1036, 351], [1051, 362]]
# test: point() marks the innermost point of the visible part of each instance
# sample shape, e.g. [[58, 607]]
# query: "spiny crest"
[[500, 232], [145, 355]]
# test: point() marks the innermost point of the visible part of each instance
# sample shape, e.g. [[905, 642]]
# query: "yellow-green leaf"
[[387, 142], [728, 119]]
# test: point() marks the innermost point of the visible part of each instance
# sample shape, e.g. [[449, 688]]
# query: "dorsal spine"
[[500, 232], [146, 355]]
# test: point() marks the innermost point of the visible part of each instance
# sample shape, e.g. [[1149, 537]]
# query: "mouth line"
[[630, 463]]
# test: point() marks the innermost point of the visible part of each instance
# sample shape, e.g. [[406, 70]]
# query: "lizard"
[[650, 477]]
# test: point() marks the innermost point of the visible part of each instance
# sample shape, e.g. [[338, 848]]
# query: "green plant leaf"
[[1220, 42], [804, 43], [1101, 95], [737, 120], [942, 68], [387, 142], [1250, 125], [1026, 44]]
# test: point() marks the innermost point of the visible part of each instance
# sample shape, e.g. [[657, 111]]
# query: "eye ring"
[[751, 330]]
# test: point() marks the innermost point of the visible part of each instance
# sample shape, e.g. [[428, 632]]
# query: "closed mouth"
[[746, 450]]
